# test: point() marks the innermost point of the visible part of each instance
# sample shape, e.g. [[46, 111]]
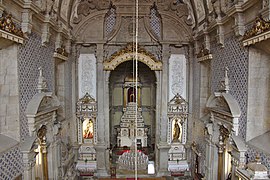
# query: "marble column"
[[220, 158], [163, 146], [211, 161], [101, 144]]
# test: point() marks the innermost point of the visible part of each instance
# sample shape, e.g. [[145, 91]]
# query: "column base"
[[102, 160]]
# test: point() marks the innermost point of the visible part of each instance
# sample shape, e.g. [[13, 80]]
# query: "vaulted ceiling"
[[196, 8]]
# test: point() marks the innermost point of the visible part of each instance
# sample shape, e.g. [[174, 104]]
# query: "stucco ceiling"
[[196, 8]]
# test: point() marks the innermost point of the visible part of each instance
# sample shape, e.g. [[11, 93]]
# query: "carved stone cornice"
[[260, 31]]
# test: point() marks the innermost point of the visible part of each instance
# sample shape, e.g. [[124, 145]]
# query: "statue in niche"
[[131, 94], [177, 131], [88, 132]]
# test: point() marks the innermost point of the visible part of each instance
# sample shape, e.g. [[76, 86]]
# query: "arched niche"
[[119, 83], [221, 131], [225, 108], [42, 145], [41, 110]]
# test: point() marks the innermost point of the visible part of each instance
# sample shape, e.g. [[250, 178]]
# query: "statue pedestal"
[[177, 151], [102, 160], [177, 158]]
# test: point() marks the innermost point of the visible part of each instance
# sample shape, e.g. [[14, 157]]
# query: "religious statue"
[[176, 131], [88, 132]]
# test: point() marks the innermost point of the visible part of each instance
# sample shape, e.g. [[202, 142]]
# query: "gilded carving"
[[129, 49], [260, 26], [7, 24], [128, 53]]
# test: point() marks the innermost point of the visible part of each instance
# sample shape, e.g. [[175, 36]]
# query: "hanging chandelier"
[[130, 159]]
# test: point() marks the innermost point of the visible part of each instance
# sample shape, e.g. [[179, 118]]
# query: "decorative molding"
[[60, 56], [177, 75], [204, 54], [178, 106], [8, 38], [128, 53], [84, 8], [260, 31], [46, 34], [86, 107], [27, 21], [87, 74]]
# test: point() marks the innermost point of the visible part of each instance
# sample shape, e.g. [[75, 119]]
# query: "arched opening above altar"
[[132, 99]]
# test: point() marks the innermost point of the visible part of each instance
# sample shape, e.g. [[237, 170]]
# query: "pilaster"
[[164, 93], [100, 94], [162, 145], [101, 146], [101, 154]]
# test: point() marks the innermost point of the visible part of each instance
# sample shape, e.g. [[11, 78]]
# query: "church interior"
[[158, 89]]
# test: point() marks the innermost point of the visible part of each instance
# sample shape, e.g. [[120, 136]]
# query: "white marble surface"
[[261, 142], [6, 143]]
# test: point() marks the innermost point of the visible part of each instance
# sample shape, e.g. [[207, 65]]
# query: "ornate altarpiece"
[[177, 134], [222, 122], [127, 130], [87, 135], [41, 146]]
